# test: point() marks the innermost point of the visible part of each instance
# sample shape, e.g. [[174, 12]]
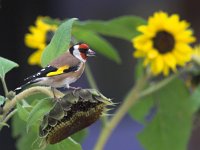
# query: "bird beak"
[[90, 53]]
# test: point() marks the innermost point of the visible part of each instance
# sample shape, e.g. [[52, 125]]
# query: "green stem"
[[28, 92], [90, 77], [4, 86], [157, 86], [93, 85], [8, 117]]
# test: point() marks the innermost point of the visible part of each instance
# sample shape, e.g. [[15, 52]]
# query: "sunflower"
[[39, 37], [164, 43]]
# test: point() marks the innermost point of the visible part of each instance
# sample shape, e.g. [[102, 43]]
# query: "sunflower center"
[[164, 42], [49, 36]]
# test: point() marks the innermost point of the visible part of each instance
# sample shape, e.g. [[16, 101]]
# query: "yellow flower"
[[40, 35], [164, 43]]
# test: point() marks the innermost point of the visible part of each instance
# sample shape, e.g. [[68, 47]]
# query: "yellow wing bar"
[[58, 72]]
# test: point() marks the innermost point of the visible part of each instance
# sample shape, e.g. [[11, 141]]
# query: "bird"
[[62, 71]]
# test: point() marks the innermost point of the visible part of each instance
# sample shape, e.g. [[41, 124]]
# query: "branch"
[[26, 93], [4, 86]]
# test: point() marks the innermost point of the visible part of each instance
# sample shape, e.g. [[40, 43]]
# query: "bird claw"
[[75, 88], [71, 88]]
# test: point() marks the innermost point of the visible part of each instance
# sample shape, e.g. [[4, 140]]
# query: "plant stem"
[[4, 86], [93, 85], [90, 77], [31, 91], [132, 97], [157, 86], [8, 117]]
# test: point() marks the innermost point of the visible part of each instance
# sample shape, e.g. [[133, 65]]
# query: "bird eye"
[[83, 50]]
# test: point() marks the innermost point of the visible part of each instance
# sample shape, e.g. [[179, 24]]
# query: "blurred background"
[[114, 80]]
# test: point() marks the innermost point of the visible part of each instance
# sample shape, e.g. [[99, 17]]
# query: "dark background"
[[113, 80]]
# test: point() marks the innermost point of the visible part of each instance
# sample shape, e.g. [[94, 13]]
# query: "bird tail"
[[24, 86]]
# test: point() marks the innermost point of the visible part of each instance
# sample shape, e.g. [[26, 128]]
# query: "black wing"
[[43, 72]]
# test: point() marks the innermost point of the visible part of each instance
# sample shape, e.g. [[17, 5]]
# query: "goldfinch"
[[62, 71]]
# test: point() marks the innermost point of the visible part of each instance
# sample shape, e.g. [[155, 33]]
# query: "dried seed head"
[[75, 111]]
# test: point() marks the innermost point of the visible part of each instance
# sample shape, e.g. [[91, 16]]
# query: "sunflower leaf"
[[2, 99], [17, 126], [195, 98], [22, 112], [5, 66], [59, 43], [97, 43], [173, 119], [65, 144], [80, 136], [2, 124], [26, 141], [38, 111], [141, 109], [123, 27]]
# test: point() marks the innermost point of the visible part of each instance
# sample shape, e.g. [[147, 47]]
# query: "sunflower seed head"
[[73, 112], [57, 112]]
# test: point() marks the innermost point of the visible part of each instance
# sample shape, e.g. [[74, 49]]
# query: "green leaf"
[[171, 126], [5, 66], [26, 141], [139, 69], [124, 27], [38, 111], [80, 136], [141, 109], [18, 126], [51, 21], [195, 98], [2, 99], [3, 124], [97, 43], [59, 43], [22, 112], [65, 144]]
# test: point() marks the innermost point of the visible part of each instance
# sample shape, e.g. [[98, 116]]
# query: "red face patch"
[[83, 46], [83, 55]]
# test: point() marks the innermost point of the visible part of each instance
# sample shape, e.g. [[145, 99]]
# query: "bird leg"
[[54, 95]]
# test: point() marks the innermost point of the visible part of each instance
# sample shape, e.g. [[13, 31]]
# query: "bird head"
[[81, 51]]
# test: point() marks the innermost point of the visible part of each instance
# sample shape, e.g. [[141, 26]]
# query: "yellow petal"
[[142, 43], [146, 62], [181, 59], [166, 70], [34, 59], [152, 54], [157, 65], [185, 37], [183, 48], [170, 61], [147, 31], [138, 54]]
